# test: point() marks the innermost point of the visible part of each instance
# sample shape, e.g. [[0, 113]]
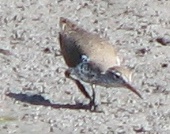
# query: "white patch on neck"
[[84, 58]]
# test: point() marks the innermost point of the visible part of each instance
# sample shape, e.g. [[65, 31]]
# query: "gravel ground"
[[37, 98]]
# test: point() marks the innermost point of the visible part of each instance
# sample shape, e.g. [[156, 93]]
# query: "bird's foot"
[[95, 107]]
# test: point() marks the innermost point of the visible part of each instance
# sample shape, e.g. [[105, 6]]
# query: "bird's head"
[[120, 77]]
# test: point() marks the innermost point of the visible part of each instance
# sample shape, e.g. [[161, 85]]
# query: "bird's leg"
[[93, 96], [78, 83], [92, 101], [95, 99]]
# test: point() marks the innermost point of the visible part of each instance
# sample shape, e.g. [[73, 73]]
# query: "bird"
[[91, 59]]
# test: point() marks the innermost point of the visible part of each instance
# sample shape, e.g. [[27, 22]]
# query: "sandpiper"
[[91, 59]]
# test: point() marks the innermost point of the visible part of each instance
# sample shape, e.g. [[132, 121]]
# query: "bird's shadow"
[[36, 99]]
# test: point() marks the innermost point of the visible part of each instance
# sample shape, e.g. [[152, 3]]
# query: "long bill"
[[127, 85]]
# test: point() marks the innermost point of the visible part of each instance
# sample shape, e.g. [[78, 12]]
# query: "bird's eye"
[[117, 75]]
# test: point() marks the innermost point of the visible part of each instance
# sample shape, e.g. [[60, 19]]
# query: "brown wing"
[[70, 51], [75, 41]]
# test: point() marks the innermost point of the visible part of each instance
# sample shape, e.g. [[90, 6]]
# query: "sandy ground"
[[37, 98]]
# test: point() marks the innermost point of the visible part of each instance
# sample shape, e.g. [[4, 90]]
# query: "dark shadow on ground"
[[40, 100]]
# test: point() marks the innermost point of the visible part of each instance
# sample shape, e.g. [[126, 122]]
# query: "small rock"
[[163, 40]]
